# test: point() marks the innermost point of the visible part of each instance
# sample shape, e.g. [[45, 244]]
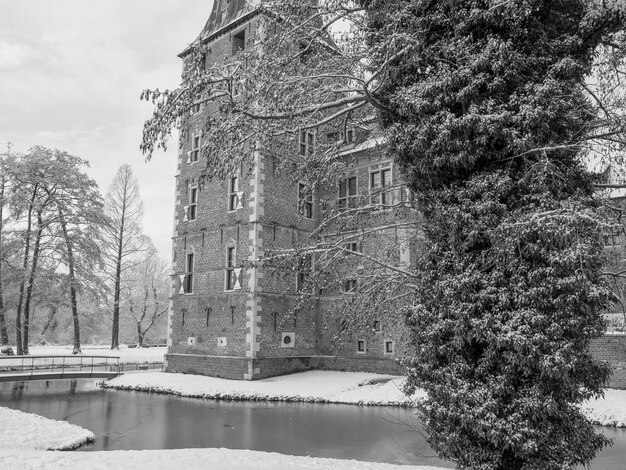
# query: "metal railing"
[[58, 366]]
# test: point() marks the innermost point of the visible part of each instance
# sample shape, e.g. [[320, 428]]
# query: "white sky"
[[71, 72]]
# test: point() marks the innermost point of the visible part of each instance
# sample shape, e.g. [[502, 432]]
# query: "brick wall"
[[612, 349]]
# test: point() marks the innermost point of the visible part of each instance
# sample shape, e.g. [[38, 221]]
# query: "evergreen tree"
[[488, 119]]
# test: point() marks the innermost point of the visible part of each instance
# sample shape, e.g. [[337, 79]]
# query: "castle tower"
[[228, 314]]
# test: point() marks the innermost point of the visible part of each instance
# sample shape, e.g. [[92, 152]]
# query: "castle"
[[232, 317]]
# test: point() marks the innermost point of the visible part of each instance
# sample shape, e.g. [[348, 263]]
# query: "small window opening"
[[239, 42]]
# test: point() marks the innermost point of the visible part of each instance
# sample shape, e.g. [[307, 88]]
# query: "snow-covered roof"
[[368, 144]]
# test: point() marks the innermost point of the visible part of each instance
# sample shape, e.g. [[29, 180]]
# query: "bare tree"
[[145, 292], [124, 239]]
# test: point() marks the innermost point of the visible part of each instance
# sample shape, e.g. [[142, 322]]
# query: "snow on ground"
[[313, 386], [325, 387], [21, 431], [607, 411], [215, 459], [126, 355]]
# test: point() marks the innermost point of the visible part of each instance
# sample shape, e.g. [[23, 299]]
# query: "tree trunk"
[[4, 337], [115, 329], [31, 282], [139, 335], [70, 262], [51, 315], [18, 312]]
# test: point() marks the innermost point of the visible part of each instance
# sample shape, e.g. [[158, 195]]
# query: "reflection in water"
[[129, 420]]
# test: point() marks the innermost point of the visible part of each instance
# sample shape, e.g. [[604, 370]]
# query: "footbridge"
[[20, 368]]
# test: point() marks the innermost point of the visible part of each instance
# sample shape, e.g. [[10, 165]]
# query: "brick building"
[[232, 317]]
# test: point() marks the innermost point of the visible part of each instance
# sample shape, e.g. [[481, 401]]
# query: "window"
[[195, 108], [389, 347], [347, 192], [187, 278], [339, 137], [361, 346], [235, 88], [307, 142], [233, 274], [352, 247], [380, 179], [235, 197], [349, 285], [239, 41], [304, 266], [193, 203], [305, 201], [195, 149], [612, 236], [376, 326]]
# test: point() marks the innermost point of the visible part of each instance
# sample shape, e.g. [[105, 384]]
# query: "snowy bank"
[[357, 388], [21, 431], [607, 411], [215, 459]]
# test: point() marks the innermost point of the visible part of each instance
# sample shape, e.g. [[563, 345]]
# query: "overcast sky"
[[71, 72]]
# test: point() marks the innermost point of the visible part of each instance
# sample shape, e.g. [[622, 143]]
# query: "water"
[[131, 420]]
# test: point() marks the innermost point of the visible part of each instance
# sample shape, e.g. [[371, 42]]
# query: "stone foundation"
[[237, 368]]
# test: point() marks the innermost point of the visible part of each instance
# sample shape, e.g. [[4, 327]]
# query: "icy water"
[[132, 420]]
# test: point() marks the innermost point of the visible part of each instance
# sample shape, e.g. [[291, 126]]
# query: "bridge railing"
[[59, 364]]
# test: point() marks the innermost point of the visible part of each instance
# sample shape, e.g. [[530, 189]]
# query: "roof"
[[224, 12], [224, 15]]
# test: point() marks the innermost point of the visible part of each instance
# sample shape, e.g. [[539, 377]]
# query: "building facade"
[[233, 317]]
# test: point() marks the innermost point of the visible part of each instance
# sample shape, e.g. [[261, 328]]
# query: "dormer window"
[[239, 41]]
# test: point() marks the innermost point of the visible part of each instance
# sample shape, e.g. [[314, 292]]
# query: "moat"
[[131, 420]]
